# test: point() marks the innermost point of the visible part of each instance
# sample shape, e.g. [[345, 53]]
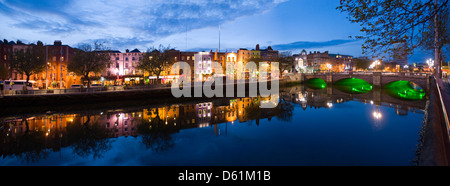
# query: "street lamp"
[[329, 66], [430, 63], [406, 67]]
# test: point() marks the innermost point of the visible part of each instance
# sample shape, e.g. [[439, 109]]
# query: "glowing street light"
[[374, 64], [329, 66], [430, 63]]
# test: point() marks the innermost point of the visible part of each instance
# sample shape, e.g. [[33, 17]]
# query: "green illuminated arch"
[[353, 86], [405, 90], [316, 83]]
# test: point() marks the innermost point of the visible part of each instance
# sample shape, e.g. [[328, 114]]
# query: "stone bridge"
[[377, 79]]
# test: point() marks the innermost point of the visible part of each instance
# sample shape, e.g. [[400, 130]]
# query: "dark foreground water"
[[309, 127]]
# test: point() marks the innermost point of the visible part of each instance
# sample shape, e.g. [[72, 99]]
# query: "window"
[[133, 58], [189, 58], [126, 59], [117, 65], [126, 65], [117, 58], [54, 58]]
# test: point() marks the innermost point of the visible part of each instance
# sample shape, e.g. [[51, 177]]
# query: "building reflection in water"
[[89, 133]]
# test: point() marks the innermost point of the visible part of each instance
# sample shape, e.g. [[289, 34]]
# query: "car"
[[96, 85], [76, 86]]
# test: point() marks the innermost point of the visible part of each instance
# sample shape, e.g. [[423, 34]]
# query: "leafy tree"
[[443, 26], [88, 59], [362, 63], [155, 61], [28, 61], [286, 61], [386, 23]]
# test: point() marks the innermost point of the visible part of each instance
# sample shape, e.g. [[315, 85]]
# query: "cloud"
[[309, 44], [119, 43], [134, 20]]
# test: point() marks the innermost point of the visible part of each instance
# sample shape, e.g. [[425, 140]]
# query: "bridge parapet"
[[378, 79]]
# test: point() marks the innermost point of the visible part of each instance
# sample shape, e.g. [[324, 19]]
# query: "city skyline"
[[189, 25], [29, 21]]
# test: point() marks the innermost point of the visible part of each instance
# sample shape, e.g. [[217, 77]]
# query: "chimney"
[[57, 43], [257, 47], [127, 51]]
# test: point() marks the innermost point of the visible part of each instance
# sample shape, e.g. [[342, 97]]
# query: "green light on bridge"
[[316, 83], [405, 90], [353, 86]]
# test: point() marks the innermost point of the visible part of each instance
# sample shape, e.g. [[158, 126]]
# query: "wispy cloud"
[[308, 44], [122, 22]]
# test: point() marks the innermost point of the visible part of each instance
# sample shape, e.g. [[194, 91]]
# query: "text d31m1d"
[[225, 176]]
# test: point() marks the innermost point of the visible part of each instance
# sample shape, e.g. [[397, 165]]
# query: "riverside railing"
[[444, 110], [78, 90]]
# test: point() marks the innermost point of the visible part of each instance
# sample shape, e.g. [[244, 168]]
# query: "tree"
[[88, 59], [286, 61], [386, 23], [155, 61], [28, 61], [443, 26], [362, 63]]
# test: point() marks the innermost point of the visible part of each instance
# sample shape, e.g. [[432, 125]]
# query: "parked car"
[[76, 86], [96, 85], [19, 84]]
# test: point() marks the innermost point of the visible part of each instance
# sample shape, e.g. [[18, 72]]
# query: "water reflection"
[[91, 133]]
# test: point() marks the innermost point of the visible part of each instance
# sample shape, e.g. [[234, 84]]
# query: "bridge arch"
[[405, 90], [421, 82]]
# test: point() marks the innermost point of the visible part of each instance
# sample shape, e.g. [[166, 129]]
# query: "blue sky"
[[183, 24]]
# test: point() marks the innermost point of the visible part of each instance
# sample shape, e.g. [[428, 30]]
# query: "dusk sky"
[[188, 25]]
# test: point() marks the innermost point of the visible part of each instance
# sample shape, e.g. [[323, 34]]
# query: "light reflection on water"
[[308, 127]]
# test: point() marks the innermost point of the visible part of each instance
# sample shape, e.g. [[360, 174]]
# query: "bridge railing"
[[444, 110], [416, 74]]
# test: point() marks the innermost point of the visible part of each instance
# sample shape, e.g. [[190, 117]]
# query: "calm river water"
[[308, 127]]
